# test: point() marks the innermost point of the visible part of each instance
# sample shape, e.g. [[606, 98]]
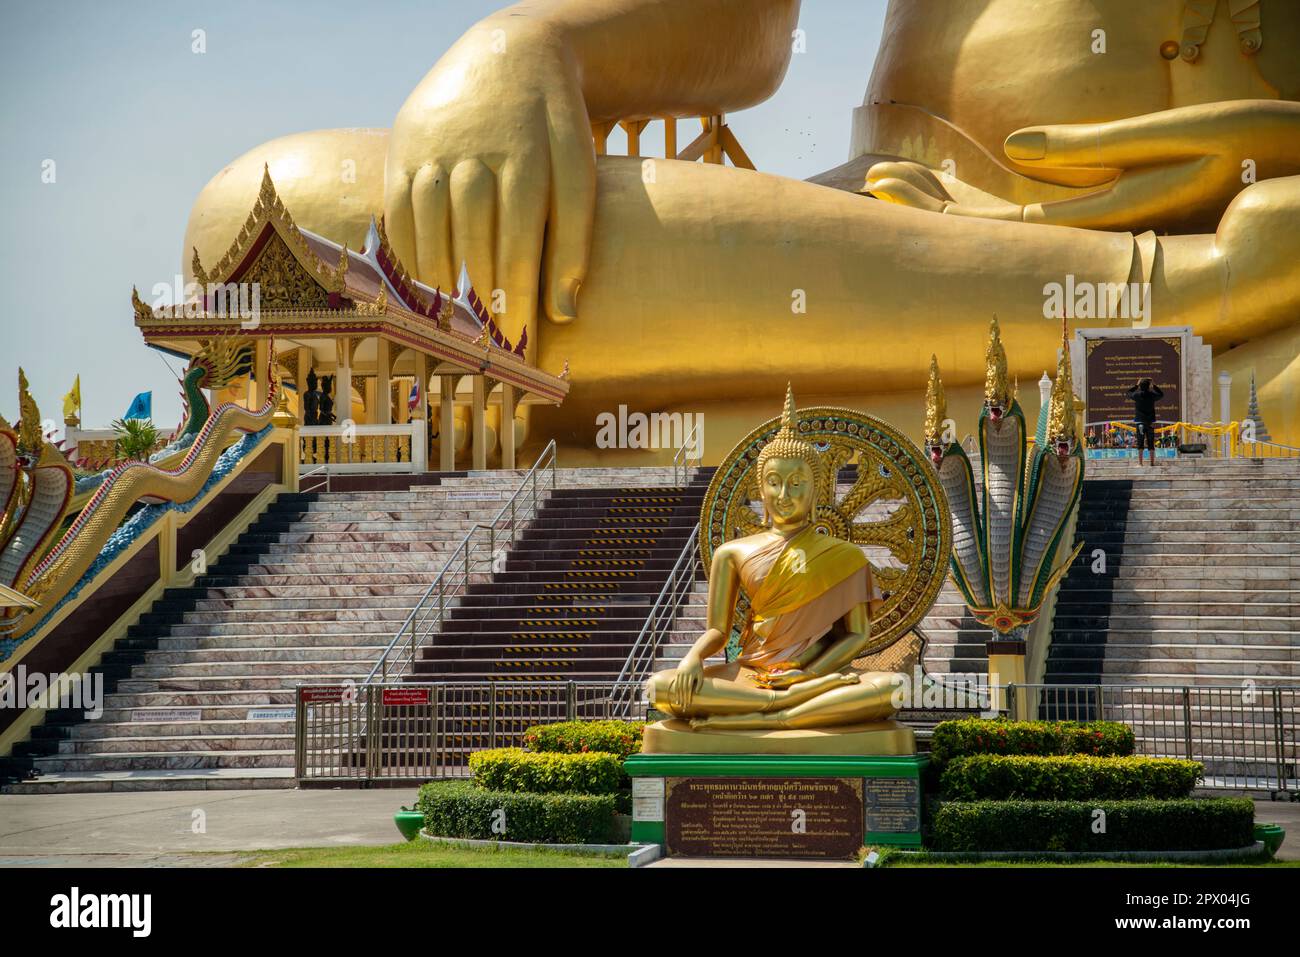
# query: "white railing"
[[350, 447], [689, 456], [475, 551]]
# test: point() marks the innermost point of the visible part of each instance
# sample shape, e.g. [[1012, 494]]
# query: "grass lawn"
[[904, 860], [424, 854]]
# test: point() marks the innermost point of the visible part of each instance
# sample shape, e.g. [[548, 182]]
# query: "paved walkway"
[[165, 828], [150, 829]]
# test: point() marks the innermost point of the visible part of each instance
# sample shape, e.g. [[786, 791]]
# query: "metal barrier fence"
[[1247, 736], [402, 731], [392, 731]]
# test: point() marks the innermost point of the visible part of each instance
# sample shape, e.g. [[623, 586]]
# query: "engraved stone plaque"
[[818, 817]]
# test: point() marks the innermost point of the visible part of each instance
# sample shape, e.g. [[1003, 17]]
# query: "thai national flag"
[[413, 400]]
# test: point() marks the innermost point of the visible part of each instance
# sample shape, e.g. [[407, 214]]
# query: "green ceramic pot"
[[409, 822], [1272, 835]]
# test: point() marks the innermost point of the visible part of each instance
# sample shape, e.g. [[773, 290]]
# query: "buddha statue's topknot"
[[786, 444]]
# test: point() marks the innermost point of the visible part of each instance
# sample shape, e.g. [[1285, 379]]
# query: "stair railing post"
[[1187, 722], [570, 701], [434, 706], [492, 714], [1279, 748]]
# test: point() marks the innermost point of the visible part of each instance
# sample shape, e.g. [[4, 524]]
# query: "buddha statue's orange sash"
[[798, 589]]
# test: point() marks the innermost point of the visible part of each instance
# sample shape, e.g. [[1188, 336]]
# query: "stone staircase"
[[1202, 577], [575, 589]]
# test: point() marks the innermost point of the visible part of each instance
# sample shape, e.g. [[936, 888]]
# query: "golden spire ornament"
[[996, 392], [936, 405], [1060, 409], [29, 426]]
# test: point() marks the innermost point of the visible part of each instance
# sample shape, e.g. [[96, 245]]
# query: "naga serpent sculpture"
[[1008, 530], [37, 484]]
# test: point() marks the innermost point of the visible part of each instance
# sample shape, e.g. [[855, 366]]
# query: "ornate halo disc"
[[892, 506]]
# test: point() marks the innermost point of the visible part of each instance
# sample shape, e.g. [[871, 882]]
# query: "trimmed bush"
[[1067, 777], [957, 739], [1147, 825], [459, 809], [513, 769], [573, 737]]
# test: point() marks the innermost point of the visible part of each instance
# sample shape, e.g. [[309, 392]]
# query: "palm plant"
[[136, 439]]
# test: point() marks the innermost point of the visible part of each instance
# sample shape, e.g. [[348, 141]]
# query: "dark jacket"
[[1144, 402]]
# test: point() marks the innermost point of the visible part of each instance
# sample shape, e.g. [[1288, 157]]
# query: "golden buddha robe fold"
[[798, 589]]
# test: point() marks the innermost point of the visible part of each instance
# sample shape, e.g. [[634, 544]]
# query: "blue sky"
[[136, 124]]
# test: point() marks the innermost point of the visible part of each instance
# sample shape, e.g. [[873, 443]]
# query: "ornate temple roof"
[[308, 285]]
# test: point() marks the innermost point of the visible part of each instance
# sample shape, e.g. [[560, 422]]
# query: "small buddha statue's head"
[[789, 471]]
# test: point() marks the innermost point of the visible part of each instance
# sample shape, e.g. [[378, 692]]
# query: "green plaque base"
[[774, 805]]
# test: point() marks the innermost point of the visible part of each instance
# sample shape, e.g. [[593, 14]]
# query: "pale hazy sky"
[[136, 124]]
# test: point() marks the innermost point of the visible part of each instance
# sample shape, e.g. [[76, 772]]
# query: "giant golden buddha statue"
[[1007, 144]]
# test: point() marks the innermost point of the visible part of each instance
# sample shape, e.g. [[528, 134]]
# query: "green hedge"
[[957, 739], [1147, 825], [1067, 777], [573, 737], [513, 769], [459, 809]]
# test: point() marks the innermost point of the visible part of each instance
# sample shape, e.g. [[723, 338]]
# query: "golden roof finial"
[[266, 192], [381, 301], [1060, 408], [29, 427], [143, 310], [936, 404], [996, 392], [444, 313], [200, 276]]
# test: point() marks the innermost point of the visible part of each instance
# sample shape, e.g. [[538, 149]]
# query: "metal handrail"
[[1273, 450], [319, 469], [661, 617], [445, 584], [681, 465]]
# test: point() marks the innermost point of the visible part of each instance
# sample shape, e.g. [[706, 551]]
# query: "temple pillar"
[[478, 420], [305, 362], [383, 414], [261, 380], [447, 422], [509, 399], [343, 381]]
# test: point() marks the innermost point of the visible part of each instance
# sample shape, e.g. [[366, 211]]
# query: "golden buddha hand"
[[491, 160], [687, 680], [489, 153], [783, 678], [1169, 168]]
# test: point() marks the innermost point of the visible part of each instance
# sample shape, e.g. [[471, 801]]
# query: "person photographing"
[[1145, 395]]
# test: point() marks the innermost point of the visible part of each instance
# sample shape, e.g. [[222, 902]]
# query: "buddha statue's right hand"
[[491, 163], [687, 680]]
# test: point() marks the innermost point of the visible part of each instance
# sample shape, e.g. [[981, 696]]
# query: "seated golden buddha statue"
[[811, 600]]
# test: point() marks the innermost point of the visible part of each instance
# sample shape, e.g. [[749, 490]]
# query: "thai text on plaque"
[[764, 817]]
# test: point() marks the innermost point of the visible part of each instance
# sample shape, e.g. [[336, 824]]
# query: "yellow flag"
[[72, 401]]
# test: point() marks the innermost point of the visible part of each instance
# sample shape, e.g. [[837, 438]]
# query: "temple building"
[[356, 320]]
